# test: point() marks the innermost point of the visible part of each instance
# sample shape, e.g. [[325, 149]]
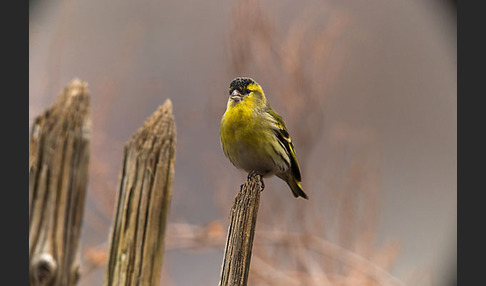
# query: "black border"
[[470, 144], [15, 141]]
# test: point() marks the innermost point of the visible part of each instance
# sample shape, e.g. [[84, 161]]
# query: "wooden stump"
[[58, 175], [145, 188], [241, 231]]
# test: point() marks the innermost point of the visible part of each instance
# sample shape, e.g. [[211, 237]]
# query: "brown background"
[[387, 93]]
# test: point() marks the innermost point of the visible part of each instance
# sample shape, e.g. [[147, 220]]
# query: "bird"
[[254, 137]]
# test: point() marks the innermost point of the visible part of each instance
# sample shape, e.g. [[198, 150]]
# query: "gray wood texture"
[[58, 176], [241, 231], [141, 214]]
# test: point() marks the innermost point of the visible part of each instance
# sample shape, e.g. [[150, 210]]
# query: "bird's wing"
[[283, 136]]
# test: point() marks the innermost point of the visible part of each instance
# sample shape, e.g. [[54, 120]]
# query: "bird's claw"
[[254, 173]]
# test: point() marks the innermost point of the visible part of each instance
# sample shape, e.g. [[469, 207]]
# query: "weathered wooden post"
[[58, 176], [241, 231], [145, 188]]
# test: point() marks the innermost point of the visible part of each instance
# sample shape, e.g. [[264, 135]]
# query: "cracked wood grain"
[[141, 214], [58, 176], [241, 231]]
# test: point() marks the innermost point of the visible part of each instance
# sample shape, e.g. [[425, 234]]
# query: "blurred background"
[[368, 92]]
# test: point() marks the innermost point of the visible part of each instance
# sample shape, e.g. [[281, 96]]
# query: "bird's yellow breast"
[[249, 141], [239, 124]]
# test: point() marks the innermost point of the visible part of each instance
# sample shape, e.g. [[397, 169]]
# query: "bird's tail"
[[296, 188]]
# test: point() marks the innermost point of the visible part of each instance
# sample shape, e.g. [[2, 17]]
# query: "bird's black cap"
[[240, 83]]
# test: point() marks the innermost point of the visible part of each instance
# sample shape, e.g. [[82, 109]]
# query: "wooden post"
[[145, 188], [241, 231], [58, 175]]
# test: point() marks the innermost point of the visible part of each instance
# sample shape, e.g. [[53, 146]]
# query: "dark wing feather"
[[283, 136]]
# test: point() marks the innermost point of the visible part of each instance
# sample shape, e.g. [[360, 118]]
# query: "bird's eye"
[[247, 91]]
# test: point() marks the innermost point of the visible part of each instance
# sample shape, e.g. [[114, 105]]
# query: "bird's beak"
[[236, 95]]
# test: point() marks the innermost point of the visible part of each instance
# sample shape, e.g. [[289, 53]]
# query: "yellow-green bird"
[[254, 137]]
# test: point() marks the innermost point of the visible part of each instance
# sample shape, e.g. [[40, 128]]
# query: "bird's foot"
[[254, 173]]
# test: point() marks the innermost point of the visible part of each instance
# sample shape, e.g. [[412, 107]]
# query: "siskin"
[[254, 136]]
